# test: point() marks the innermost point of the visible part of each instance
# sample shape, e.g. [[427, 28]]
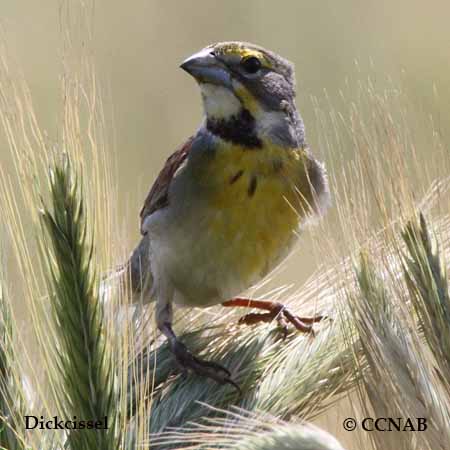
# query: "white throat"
[[219, 102]]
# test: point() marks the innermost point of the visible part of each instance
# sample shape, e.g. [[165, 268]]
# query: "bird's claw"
[[283, 315], [210, 369], [282, 325]]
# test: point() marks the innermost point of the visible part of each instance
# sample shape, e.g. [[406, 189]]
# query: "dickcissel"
[[226, 208]]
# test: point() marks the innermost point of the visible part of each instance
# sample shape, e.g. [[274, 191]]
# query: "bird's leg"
[[185, 359], [275, 311]]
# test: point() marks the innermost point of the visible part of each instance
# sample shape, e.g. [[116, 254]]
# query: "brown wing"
[[158, 196]]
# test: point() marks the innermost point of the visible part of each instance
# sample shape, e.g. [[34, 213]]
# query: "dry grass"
[[384, 286]]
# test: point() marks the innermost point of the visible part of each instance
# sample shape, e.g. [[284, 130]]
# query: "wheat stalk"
[[84, 381], [12, 401]]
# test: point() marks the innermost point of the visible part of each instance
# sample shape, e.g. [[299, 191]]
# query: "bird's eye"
[[251, 64]]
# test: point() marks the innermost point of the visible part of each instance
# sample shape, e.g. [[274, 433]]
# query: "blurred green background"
[[138, 45]]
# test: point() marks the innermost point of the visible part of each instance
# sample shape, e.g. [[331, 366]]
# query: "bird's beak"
[[206, 68]]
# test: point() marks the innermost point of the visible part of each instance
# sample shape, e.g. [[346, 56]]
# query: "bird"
[[227, 206]]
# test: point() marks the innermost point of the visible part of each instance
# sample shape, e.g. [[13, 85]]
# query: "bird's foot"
[[283, 317], [187, 361], [276, 311]]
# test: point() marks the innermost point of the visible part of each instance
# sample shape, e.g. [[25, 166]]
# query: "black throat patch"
[[239, 129]]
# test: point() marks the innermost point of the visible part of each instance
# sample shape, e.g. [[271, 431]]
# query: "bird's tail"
[[133, 278]]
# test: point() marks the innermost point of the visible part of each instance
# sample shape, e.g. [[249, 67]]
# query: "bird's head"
[[248, 94]]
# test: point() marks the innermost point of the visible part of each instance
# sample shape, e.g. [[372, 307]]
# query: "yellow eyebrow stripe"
[[245, 52]]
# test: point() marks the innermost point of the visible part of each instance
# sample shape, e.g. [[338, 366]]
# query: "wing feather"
[[158, 196]]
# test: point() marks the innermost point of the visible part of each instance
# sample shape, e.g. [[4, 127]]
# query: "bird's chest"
[[243, 220], [251, 204], [233, 216]]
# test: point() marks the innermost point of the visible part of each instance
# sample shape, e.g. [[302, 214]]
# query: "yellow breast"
[[256, 199]]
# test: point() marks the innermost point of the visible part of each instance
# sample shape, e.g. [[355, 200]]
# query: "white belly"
[[206, 265]]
